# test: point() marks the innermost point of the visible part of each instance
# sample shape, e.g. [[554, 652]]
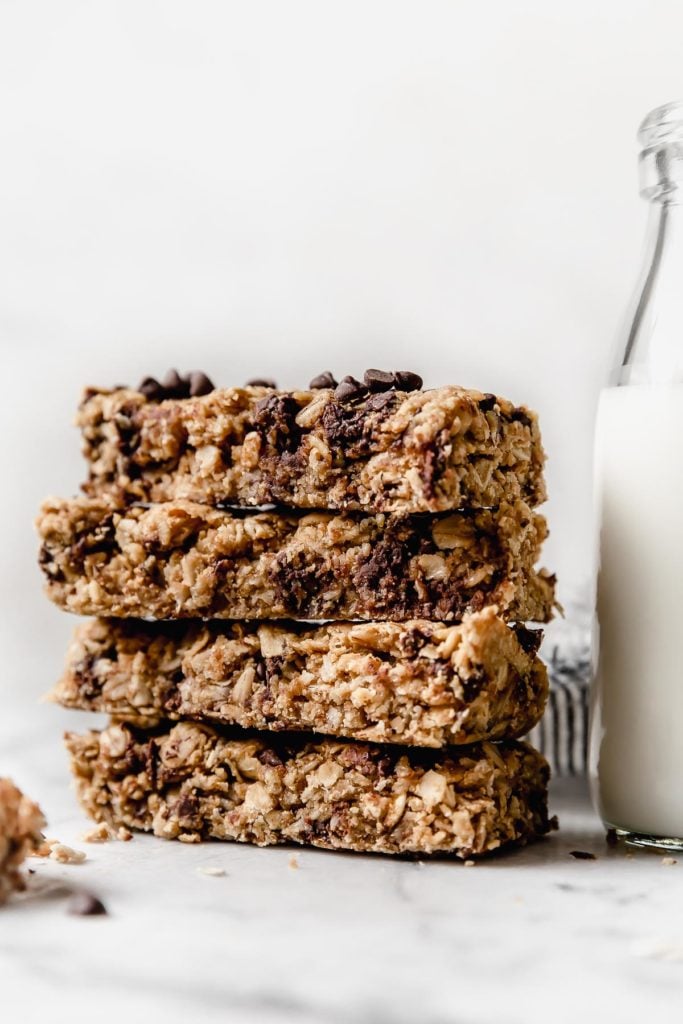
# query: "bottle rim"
[[662, 125], [661, 156]]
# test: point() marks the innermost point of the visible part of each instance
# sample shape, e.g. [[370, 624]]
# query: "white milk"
[[638, 723]]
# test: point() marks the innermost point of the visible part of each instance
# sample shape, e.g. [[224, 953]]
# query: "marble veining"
[[289, 935]]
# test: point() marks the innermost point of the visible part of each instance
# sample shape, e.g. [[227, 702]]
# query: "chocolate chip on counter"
[[323, 380], [611, 837], [582, 855], [348, 389], [85, 904], [200, 384], [406, 380], [261, 382], [378, 380]]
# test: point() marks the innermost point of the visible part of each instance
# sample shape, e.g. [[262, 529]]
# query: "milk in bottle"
[[637, 704]]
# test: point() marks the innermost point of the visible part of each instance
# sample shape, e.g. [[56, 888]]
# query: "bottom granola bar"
[[21, 824], [191, 782]]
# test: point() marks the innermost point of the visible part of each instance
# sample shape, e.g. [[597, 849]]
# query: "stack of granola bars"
[[349, 667]]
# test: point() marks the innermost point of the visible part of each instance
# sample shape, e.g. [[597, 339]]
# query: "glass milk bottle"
[[637, 707]]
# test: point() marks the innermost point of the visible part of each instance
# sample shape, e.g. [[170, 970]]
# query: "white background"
[[275, 189]]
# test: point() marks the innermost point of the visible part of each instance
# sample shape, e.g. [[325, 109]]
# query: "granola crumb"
[[104, 833], [294, 862], [21, 825], [470, 863], [668, 861], [101, 833], [211, 871], [65, 854]]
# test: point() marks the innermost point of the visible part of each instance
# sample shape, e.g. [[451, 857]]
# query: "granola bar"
[[418, 682], [183, 560], [395, 451], [21, 825], [194, 783]]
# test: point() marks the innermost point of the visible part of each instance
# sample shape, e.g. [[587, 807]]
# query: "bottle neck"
[[654, 345]]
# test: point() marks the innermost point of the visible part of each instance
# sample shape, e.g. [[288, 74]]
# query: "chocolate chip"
[[348, 389], [270, 758], [275, 420], [487, 402], [151, 389], [261, 382], [187, 807], [200, 384], [84, 904], [380, 401], [582, 855], [175, 386], [323, 380], [378, 380], [529, 639], [611, 837], [172, 381], [406, 380]]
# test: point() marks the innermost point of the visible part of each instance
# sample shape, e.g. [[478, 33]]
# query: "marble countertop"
[[289, 935]]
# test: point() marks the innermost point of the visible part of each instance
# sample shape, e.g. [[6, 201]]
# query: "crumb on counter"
[[66, 855], [55, 850], [104, 833]]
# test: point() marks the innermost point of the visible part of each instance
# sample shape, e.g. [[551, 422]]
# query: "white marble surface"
[[528, 937]]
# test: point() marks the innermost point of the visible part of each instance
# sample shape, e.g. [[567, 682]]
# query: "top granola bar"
[[336, 448]]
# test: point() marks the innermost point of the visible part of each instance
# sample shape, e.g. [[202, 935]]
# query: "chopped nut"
[[272, 642], [433, 566], [251, 450], [452, 532], [327, 774], [469, 863], [257, 798], [312, 412], [432, 788]]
